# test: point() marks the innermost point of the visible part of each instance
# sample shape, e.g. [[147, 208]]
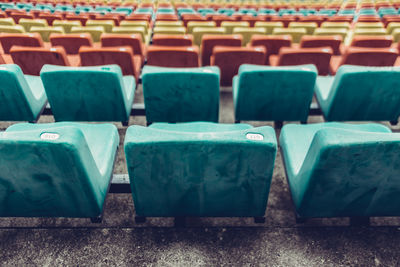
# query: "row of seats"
[[199, 169], [260, 93]]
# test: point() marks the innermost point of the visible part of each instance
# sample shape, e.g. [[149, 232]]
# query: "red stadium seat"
[[172, 40], [218, 19], [378, 57], [313, 18], [372, 41], [192, 17], [229, 59], [122, 56], [272, 43], [167, 17], [369, 18], [132, 40], [333, 42], [19, 15], [81, 17], [209, 41], [71, 42], [340, 19], [50, 17], [284, 19], [320, 57], [113, 17], [146, 17], [173, 56], [32, 59], [7, 40]]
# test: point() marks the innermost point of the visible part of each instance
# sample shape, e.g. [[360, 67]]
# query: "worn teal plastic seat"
[[264, 93], [342, 170], [22, 97], [200, 169], [98, 93], [181, 94], [359, 93], [56, 170]]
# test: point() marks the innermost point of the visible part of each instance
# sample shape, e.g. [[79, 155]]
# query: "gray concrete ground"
[[118, 240]]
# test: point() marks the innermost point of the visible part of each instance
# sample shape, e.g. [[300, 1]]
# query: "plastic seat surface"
[[98, 93], [71, 42], [7, 40], [32, 59], [181, 94], [22, 97], [271, 43], [94, 31], [133, 40], [210, 41], [46, 31], [333, 42], [200, 173], [340, 170], [67, 169], [264, 93], [67, 24], [372, 41], [170, 56], [172, 40], [359, 93], [237, 56]]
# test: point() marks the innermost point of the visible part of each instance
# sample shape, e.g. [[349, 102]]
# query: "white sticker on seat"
[[49, 136], [255, 136]]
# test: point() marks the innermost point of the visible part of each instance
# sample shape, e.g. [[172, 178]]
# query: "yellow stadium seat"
[[369, 25], [269, 26], [168, 23], [204, 24], [12, 28], [367, 31], [396, 35], [391, 26], [335, 25], [248, 32], [7, 21], [169, 30], [94, 31], [106, 24], [198, 33], [331, 31], [296, 33], [230, 25], [67, 24], [46, 31], [28, 23], [309, 26], [135, 23]]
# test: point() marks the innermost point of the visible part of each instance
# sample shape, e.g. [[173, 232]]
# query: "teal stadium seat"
[[98, 93], [22, 97], [264, 93], [342, 170], [181, 94], [56, 169], [359, 93], [200, 169]]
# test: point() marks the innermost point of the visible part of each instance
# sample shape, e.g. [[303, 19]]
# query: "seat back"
[[264, 93], [320, 57], [199, 32], [333, 42], [55, 179], [122, 56], [272, 44], [210, 41], [170, 56], [344, 181], [181, 94], [172, 40], [372, 41], [50, 18], [67, 24], [71, 42], [364, 93], [377, 57], [7, 40], [132, 40], [86, 93], [81, 17], [237, 56], [16, 102], [32, 59], [200, 170]]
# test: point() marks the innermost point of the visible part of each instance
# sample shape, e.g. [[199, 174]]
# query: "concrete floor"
[[118, 240]]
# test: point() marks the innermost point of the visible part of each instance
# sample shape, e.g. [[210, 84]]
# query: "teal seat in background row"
[[181, 94], [200, 169], [359, 93], [22, 97], [264, 93], [98, 93], [342, 170], [56, 170]]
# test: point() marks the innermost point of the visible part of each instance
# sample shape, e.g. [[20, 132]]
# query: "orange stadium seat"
[[229, 59], [81, 17], [319, 56], [7, 40], [132, 40], [173, 40], [122, 56], [167, 17], [173, 56], [71, 42], [272, 43], [50, 17], [210, 41], [146, 17], [333, 42], [218, 19], [19, 15], [32, 59], [377, 57], [372, 41]]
